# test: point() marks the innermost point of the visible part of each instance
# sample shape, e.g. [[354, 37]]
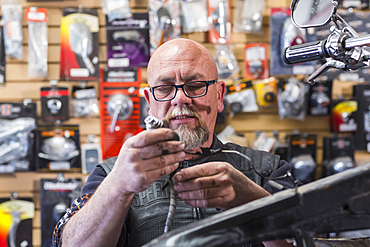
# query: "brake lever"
[[331, 63]]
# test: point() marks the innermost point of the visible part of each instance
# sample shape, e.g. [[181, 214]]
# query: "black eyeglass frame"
[[208, 83]]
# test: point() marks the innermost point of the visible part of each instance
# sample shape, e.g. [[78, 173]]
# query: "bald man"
[[127, 206]]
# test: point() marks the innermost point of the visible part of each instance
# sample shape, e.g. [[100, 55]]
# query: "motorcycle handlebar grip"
[[304, 52], [357, 41]]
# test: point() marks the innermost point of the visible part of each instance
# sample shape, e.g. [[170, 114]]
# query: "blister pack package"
[[37, 42], [194, 16], [13, 35], [248, 16], [116, 9], [164, 20]]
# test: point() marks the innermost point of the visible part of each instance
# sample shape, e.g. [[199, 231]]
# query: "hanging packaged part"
[[266, 91], [256, 61], [248, 16], [128, 41], [16, 216], [343, 116], [58, 148], [91, 154], [54, 103], [79, 54], [220, 26], [241, 97], [119, 104], [37, 42], [164, 19], [13, 33], [283, 33], [194, 16], [292, 98], [320, 98], [55, 197], [302, 156], [227, 65], [116, 9], [17, 136], [84, 102]]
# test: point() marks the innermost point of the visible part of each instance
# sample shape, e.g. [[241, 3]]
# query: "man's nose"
[[181, 98]]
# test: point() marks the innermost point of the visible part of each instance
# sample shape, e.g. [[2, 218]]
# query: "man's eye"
[[195, 86], [164, 90]]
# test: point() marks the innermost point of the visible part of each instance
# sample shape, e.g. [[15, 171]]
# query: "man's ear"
[[147, 98], [221, 88]]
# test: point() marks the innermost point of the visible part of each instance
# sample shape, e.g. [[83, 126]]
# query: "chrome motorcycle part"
[[343, 45], [58, 149], [120, 107], [80, 39], [14, 139], [340, 164], [16, 220], [303, 167], [312, 13], [54, 106], [219, 19], [165, 23], [320, 99]]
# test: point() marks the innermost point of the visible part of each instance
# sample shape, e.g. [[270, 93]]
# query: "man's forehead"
[[178, 55], [182, 78]]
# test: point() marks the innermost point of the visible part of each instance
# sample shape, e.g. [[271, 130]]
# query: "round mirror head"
[[311, 13]]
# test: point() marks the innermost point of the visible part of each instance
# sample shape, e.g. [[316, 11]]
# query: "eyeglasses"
[[191, 89]]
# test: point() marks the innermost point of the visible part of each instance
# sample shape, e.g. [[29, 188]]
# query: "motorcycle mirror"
[[312, 13]]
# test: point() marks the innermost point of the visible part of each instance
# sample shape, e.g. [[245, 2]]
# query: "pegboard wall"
[[18, 87]]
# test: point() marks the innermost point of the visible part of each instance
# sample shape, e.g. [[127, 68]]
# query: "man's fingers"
[[162, 161], [146, 138], [142, 180], [201, 183], [161, 148], [206, 185], [202, 170], [155, 174]]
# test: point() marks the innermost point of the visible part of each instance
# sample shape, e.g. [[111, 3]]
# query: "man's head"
[[178, 62]]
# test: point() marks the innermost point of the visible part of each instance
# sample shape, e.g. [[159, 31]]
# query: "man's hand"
[[217, 185], [145, 158]]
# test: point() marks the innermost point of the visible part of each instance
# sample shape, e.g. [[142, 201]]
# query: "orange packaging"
[[219, 14], [34, 14]]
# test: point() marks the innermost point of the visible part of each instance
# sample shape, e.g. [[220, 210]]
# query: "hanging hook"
[[57, 123], [53, 82], [61, 177], [90, 138], [27, 101], [82, 84], [13, 195]]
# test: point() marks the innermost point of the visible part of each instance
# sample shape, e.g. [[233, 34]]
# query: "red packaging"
[[256, 61], [119, 86]]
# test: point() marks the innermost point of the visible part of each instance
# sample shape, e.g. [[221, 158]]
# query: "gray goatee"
[[192, 138]]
